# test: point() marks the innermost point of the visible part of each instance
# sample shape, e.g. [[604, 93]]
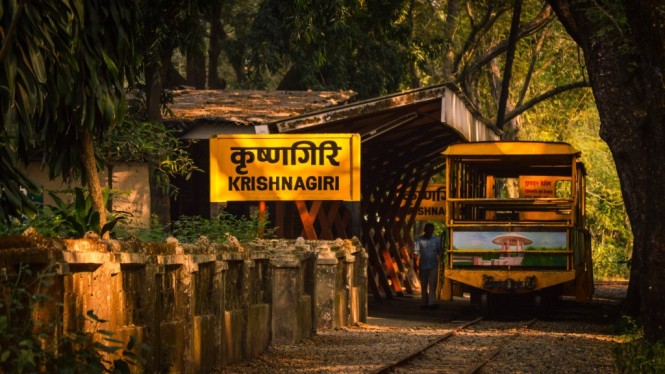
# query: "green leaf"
[[132, 342], [106, 348], [91, 314], [80, 203], [93, 222], [106, 332]]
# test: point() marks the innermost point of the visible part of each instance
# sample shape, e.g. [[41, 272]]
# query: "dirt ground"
[[574, 338]]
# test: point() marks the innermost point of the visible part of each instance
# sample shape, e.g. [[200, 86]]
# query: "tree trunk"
[[625, 67], [196, 69], [647, 24], [153, 93], [90, 168], [449, 29], [217, 37], [159, 205]]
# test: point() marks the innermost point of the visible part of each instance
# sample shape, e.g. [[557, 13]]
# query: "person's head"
[[429, 229]]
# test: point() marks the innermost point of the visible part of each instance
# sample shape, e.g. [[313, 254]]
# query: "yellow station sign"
[[433, 204], [285, 167]]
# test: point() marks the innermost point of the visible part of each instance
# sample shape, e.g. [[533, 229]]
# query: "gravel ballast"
[[582, 343]]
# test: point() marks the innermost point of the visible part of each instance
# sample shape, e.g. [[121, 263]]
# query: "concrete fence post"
[[326, 265], [234, 316], [360, 279], [289, 305], [173, 308], [205, 299], [351, 292]]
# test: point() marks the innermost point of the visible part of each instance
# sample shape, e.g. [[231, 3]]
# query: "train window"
[[564, 189], [507, 188]]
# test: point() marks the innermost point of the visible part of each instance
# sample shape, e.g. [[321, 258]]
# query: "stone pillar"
[[203, 309], [326, 264], [258, 334], [154, 272], [134, 292], [360, 280], [234, 307], [351, 307], [219, 290], [285, 299], [174, 308]]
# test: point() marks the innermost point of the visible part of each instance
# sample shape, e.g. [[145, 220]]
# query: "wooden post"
[[262, 217]]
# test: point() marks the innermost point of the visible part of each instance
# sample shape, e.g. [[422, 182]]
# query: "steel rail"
[[475, 368], [410, 356]]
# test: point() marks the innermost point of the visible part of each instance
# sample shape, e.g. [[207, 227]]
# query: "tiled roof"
[[250, 107]]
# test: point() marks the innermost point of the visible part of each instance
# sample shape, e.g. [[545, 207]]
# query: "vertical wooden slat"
[[325, 224], [392, 271], [306, 219], [375, 261]]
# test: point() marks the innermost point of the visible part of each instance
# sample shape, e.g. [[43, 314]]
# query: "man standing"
[[427, 249]]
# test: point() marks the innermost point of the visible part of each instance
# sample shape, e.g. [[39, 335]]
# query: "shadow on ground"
[[407, 308]]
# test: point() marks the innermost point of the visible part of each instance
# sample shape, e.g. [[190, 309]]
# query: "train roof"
[[520, 148], [507, 159]]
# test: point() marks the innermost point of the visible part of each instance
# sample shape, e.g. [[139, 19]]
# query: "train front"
[[516, 222]]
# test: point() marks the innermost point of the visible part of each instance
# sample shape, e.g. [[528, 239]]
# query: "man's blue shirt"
[[428, 250]]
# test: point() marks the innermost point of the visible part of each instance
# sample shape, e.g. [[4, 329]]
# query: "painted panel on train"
[[503, 248]]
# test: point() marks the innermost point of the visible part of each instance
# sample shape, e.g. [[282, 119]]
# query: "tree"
[[166, 25], [477, 38], [65, 65], [624, 52], [332, 45]]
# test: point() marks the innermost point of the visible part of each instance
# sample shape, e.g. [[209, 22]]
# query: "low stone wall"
[[199, 306]]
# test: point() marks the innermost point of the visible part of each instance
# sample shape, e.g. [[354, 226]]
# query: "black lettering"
[[246, 184], [300, 184], [328, 183], [273, 183], [261, 184], [287, 183], [311, 183], [233, 184]]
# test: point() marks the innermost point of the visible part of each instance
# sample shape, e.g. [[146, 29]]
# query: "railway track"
[[465, 349]]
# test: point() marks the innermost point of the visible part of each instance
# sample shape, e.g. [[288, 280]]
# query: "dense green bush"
[[219, 228], [75, 219], [188, 229], [68, 218]]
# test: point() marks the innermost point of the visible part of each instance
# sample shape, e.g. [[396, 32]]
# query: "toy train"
[[515, 222]]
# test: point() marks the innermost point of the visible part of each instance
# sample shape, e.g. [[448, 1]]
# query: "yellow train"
[[515, 221]]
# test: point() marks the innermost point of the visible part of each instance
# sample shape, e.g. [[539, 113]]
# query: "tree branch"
[[489, 18], [508, 69], [542, 19], [553, 92], [565, 16], [532, 67]]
